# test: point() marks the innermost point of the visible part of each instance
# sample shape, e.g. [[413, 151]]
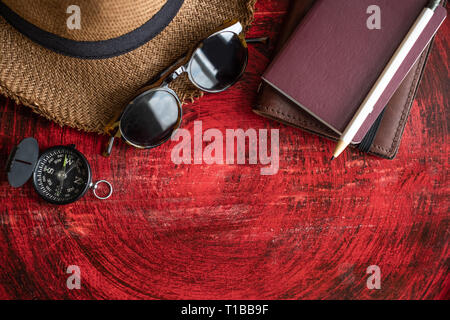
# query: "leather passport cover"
[[332, 60], [383, 142]]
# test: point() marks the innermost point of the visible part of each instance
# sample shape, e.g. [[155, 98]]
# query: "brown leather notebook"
[[382, 140]]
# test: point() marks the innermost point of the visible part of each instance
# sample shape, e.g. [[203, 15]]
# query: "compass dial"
[[62, 175]]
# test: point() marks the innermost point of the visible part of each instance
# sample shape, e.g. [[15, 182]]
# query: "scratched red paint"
[[223, 231]]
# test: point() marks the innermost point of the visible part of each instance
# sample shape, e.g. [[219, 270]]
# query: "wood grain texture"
[[226, 232]]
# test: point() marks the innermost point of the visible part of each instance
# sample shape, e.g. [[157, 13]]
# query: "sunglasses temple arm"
[[109, 147], [263, 40]]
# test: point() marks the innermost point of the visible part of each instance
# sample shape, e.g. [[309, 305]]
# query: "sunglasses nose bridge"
[[178, 72]]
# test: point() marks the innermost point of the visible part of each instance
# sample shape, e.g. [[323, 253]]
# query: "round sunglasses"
[[155, 113]]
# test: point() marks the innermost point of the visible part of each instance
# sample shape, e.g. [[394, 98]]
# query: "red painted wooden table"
[[225, 231]]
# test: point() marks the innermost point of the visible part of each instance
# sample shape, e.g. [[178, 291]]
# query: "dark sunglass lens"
[[219, 62], [151, 118]]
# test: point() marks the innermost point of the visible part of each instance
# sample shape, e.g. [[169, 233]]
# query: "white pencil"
[[385, 78]]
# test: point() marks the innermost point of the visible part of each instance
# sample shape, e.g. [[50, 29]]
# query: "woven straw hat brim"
[[87, 93], [101, 19]]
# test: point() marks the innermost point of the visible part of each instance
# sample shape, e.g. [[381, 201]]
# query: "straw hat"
[[77, 62]]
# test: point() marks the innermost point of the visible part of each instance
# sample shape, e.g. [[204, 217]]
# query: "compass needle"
[[72, 167]]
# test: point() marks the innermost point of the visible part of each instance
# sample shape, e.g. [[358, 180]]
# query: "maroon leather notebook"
[[331, 62]]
